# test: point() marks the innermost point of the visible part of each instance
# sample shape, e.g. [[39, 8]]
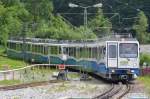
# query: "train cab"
[[122, 59]]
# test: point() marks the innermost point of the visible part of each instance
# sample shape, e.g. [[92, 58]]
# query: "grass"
[[9, 82], [2, 50], [73, 75], [146, 81], [11, 63]]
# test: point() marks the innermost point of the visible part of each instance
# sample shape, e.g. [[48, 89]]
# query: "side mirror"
[[104, 50]]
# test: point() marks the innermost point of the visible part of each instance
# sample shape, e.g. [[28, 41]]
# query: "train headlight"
[[134, 64], [132, 71], [112, 70]]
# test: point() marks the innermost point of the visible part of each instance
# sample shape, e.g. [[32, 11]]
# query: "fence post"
[[13, 75], [5, 76]]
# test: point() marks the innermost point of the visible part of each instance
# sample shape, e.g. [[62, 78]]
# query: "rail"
[[33, 84], [116, 91]]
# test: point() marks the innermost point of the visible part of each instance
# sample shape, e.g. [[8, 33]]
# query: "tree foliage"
[[100, 25], [43, 21], [11, 21], [141, 27]]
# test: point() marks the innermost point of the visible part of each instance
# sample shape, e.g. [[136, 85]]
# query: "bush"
[[144, 57]]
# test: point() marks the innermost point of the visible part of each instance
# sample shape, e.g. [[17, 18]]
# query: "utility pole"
[[99, 5]]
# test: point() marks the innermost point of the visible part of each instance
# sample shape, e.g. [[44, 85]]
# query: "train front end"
[[122, 59]]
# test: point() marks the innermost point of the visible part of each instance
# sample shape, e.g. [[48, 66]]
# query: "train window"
[[54, 50], [65, 50], [28, 47], [17, 47], [77, 52], [21, 46], [11, 45], [128, 50], [42, 49], [84, 52], [94, 52], [45, 50], [72, 51], [39, 48], [33, 48], [104, 50], [24, 47], [112, 50], [60, 50], [8, 45], [14, 46], [100, 52]]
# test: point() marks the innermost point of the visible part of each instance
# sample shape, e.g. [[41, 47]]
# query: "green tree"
[[11, 21], [7, 3], [84, 34], [40, 9], [100, 25], [56, 28], [140, 27]]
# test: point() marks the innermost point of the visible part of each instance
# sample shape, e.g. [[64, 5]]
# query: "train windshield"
[[128, 50]]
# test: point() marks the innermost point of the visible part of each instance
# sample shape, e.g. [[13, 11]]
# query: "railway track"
[[115, 92], [33, 84]]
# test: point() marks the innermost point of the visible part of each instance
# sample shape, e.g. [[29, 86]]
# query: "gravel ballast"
[[68, 89]]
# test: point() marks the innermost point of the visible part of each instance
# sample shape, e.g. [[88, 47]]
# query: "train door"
[[112, 53]]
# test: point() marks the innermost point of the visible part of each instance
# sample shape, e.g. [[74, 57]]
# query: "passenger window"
[[112, 51]]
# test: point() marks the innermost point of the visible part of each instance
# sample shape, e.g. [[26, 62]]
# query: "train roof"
[[122, 39], [71, 44], [88, 42]]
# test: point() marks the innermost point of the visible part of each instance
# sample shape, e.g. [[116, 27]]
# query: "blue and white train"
[[113, 59]]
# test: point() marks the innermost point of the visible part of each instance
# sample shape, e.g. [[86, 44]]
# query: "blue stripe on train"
[[122, 71], [91, 65]]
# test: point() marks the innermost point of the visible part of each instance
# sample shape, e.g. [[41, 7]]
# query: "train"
[[113, 58]]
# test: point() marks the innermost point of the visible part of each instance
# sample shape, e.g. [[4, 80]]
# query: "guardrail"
[[32, 73], [36, 65]]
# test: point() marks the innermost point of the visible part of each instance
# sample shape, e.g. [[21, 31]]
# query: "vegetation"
[[10, 63], [7, 62], [140, 27], [73, 75], [9, 82], [35, 19], [2, 51], [144, 57], [146, 81], [100, 25], [46, 19], [123, 15]]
